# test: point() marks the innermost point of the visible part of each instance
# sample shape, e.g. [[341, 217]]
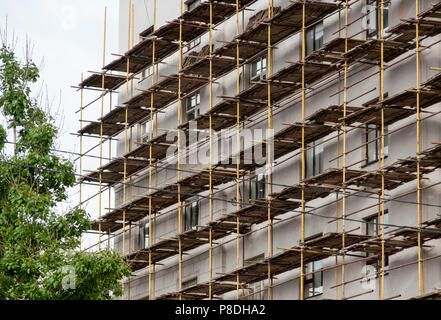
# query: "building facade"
[[331, 105]]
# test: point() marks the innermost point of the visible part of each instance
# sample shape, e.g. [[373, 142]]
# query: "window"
[[192, 106], [373, 143], [191, 216], [373, 18], [191, 4], [314, 38], [258, 69], [313, 285], [258, 187], [373, 228], [143, 236], [256, 291], [314, 159]]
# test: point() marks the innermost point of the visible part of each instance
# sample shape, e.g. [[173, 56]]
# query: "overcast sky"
[[68, 35]]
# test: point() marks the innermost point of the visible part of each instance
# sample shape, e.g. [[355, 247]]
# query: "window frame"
[[191, 216], [195, 109], [144, 235], [259, 66], [257, 186], [376, 141], [317, 43], [311, 279], [316, 149]]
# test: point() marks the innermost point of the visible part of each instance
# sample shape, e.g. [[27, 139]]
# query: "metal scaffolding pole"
[[179, 147], [238, 199], [302, 235], [101, 130], [152, 98], [345, 102], [341, 128], [81, 151], [125, 141], [210, 286], [268, 144], [382, 144], [419, 184]]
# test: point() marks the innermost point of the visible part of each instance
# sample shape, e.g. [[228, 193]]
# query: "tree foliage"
[[38, 256]]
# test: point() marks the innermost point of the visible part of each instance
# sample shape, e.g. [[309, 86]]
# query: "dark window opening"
[[314, 159], [143, 236], [258, 69], [313, 285], [258, 187], [192, 106], [314, 38], [191, 216], [373, 143]]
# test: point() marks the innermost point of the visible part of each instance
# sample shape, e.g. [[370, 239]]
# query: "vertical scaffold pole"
[[345, 102], [302, 265], [110, 157], [338, 164], [125, 143], [268, 144], [210, 284], [81, 150], [420, 249], [238, 200], [382, 143], [129, 284], [179, 148], [101, 133], [151, 294], [130, 148]]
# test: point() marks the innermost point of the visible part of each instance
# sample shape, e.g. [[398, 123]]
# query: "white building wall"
[[287, 170]]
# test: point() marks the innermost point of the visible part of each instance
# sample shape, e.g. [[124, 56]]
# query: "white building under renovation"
[[272, 149]]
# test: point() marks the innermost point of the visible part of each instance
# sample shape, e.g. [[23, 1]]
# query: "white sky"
[[68, 35]]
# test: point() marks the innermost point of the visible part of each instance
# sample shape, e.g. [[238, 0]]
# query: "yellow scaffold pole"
[[101, 133], [382, 143], [302, 265], [237, 152], [151, 294], [179, 147], [420, 249], [338, 164], [81, 150], [345, 102], [125, 142], [269, 160], [210, 284]]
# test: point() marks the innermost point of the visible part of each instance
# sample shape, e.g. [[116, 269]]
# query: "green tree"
[[38, 245]]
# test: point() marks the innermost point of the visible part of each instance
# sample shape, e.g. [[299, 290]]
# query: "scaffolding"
[[279, 90]]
